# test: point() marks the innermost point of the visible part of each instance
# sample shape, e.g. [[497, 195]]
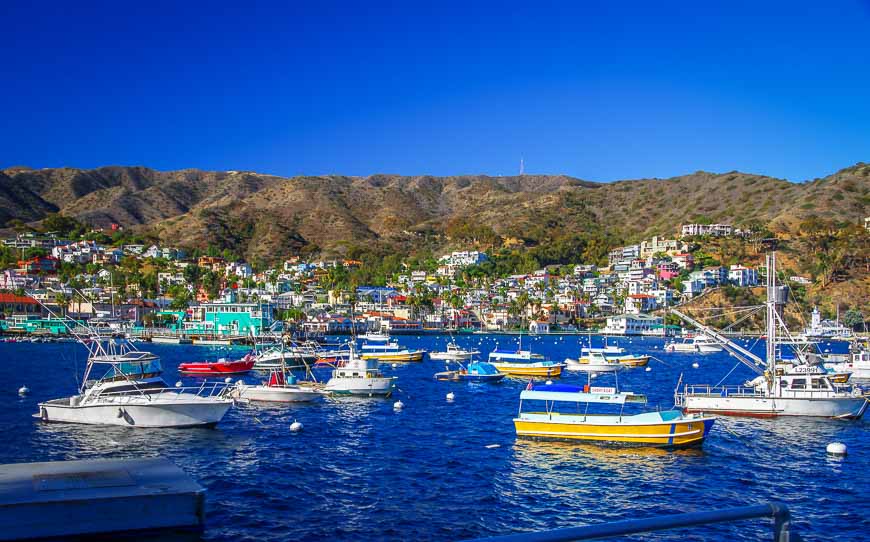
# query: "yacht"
[[132, 393], [593, 362], [454, 352], [359, 376], [773, 393], [699, 344]]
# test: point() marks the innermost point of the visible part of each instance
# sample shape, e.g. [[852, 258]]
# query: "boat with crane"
[[773, 392]]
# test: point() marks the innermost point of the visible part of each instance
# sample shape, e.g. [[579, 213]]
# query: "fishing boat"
[[775, 393], [281, 387], [582, 418], [359, 376], [454, 352], [132, 393], [390, 352], [221, 367], [699, 344], [478, 371], [593, 362]]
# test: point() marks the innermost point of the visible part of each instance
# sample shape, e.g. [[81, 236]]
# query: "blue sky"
[[597, 90]]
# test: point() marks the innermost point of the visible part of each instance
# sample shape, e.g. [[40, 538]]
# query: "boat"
[[606, 349], [477, 371], [593, 362], [162, 339], [132, 393], [391, 352], [454, 352], [699, 344], [222, 366], [583, 421], [359, 376], [293, 356], [772, 393], [521, 362], [628, 360], [281, 387], [374, 336], [857, 363]]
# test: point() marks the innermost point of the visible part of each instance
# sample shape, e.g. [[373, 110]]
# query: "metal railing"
[[205, 390], [779, 513]]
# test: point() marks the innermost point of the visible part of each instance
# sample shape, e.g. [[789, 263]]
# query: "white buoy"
[[395, 366], [451, 396], [23, 390], [836, 448], [295, 427], [398, 405], [178, 384], [695, 365], [648, 369], [549, 382], [227, 380]]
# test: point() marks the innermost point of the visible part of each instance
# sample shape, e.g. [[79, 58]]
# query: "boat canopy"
[[482, 368], [575, 394]]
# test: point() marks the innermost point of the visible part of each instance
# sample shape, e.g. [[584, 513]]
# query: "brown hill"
[[266, 216]]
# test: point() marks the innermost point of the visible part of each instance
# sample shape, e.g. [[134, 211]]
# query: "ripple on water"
[[360, 471]]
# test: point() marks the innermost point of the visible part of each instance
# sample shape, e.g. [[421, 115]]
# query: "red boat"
[[219, 367]]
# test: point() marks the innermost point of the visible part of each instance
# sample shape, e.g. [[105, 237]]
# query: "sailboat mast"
[[771, 313]]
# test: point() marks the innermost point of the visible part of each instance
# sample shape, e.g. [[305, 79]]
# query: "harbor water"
[[438, 469]]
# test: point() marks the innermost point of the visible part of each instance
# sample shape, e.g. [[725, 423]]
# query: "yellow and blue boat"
[[670, 428], [391, 352], [525, 363]]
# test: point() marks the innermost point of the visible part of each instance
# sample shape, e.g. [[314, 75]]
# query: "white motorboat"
[[699, 344], [132, 393], [293, 356], [454, 352], [374, 336], [773, 393], [281, 387], [593, 362], [359, 376]]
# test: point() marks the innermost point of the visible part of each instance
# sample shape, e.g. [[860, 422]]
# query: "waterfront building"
[[228, 318], [632, 324]]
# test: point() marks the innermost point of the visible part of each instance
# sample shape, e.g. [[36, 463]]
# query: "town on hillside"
[[99, 277]]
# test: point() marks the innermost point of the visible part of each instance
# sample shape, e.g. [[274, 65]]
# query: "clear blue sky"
[[598, 90]]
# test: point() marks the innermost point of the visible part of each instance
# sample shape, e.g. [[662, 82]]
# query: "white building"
[[742, 276], [715, 230], [631, 324]]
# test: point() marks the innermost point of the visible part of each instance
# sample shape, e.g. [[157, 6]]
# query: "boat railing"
[[749, 391], [205, 390], [779, 513]]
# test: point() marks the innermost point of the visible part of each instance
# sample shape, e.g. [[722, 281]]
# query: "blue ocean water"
[[361, 471]]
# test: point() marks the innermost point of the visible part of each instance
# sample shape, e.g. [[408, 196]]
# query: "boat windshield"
[[134, 370]]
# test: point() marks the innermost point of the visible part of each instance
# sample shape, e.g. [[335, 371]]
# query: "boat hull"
[[363, 387], [677, 433], [397, 357], [529, 369], [132, 412], [592, 367], [276, 394], [216, 368], [767, 407], [457, 376]]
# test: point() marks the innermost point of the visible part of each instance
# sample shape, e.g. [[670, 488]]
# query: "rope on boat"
[[727, 375]]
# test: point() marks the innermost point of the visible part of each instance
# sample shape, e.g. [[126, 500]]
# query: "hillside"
[[265, 216]]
